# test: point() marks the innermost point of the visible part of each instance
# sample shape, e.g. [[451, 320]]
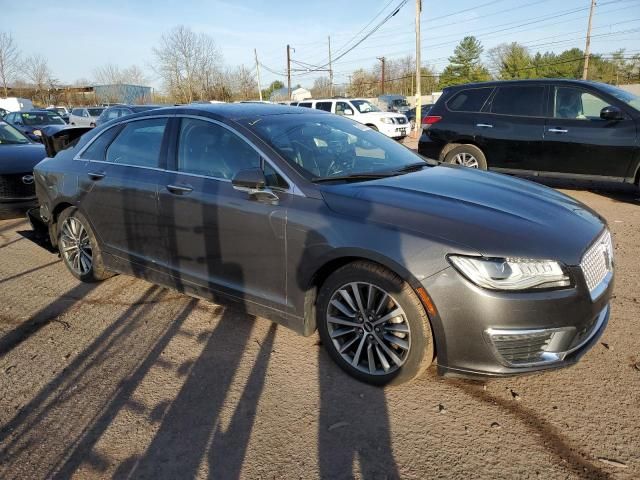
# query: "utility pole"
[[382, 60], [418, 121], [585, 71], [330, 70], [258, 73], [349, 89], [289, 71]]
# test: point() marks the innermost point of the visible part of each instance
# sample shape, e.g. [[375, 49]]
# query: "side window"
[[138, 143], [341, 107], [471, 100], [205, 148], [112, 114], [577, 104], [274, 180], [525, 101], [305, 104], [97, 149], [326, 106], [77, 112]]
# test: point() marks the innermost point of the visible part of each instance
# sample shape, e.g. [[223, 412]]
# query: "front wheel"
[[468, 156], [373, 324], [78, 247]]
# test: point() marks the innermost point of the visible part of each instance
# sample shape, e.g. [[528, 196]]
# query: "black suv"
[[556, 128]]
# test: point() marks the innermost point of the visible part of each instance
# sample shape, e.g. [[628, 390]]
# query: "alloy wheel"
[[466, 160], [368, 328], [76, 246]]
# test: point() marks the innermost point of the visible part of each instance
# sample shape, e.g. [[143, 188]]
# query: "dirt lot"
[[125, 379]]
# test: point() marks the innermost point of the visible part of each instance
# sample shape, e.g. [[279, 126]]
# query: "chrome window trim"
[[293, 188]]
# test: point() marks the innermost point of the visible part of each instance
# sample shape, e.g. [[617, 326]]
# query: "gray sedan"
[[320, 223]]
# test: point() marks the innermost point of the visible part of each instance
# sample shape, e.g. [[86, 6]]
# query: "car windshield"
[[627, 97], [328, 146], [364, 107], [10, 135], [401, 102], [41, 118], [95, 112]]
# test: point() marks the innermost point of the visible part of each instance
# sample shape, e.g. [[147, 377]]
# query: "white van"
[[15, 104], [394, 125]]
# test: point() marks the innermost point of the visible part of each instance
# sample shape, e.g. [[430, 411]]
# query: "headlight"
[[511, 273], [37, 132], [386, 120]]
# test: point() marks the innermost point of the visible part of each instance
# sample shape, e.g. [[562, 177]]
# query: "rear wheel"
[[468, 156], [373, 324], [78, 247]]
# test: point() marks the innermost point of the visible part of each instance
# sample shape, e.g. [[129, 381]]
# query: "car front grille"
[[521, 348], [14, 186], [597, 263]]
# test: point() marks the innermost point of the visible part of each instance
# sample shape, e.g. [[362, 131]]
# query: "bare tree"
[[37, 71], [321, 87], [9, 60], [189, 64], [111, 74], [242, 83]]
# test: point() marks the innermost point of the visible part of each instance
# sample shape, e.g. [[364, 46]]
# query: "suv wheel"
[[78, 247], [467, 156], [373, 324]]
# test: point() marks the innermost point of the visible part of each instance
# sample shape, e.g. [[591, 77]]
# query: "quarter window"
[[577, 104], [326, 106], [205, 148], [138, 143], [525, 101], [471, 100], [305, 104], [97, 149]]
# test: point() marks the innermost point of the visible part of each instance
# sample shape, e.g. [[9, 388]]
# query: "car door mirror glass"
[[611, 113], [249, 180]]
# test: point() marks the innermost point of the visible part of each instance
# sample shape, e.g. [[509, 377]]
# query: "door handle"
[[484, 125], [96, 175], [179, 189], [558, 130]]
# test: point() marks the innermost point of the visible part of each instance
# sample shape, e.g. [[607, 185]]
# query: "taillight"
[[431, 119]]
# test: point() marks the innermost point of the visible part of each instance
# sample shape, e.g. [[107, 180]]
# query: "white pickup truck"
[[394, 125]]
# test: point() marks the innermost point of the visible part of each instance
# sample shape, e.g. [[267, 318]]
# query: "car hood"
[[20, 158], [488, 213]]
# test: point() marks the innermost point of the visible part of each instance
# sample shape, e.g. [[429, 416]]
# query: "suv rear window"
[[526, 101], [470, 100], [326, 106], [305, 104]]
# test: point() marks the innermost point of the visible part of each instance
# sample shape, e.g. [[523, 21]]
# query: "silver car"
[[85, 116]]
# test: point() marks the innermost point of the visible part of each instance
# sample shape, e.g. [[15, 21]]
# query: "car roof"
[[497, 83], [237, 111]]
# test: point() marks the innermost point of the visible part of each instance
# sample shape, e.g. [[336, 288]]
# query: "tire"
[[468, 156], [410, 330], [85, 261], [373, 127]]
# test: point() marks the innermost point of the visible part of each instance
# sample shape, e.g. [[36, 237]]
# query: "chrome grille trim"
[[597, 265]]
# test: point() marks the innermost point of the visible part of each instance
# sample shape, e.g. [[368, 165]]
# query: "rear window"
[[326, 106], [471, 100], [524, 101]]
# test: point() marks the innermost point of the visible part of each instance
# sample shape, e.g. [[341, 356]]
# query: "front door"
[[121, 184], [510, 128], [217, 237], [578, 141]]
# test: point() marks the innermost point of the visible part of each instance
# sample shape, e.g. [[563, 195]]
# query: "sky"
[[76, 37]]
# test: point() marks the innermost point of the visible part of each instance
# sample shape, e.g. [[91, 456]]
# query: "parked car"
[[411, 114], [62, 111], [313, 221], [394, 125], [18, 156], [32, 122], [117, 111], [15, 104], [3, 113], [393, 103], [556, 128], [85, 116]]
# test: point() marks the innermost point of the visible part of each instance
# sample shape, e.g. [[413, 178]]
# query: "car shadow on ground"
[[620, 192]]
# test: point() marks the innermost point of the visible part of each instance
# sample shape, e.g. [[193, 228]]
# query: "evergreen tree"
[[465, 65]]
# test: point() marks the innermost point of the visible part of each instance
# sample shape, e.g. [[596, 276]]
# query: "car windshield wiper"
[[412, 167], [354, 176]]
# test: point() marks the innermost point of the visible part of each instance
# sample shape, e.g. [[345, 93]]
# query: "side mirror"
[[253, 181], [348, 111], [611, 113]]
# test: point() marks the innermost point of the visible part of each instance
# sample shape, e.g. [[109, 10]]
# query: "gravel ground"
[[126, 379]]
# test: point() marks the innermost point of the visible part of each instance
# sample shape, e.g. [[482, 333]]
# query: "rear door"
[[510, 128], [578, 141], [121, 184]]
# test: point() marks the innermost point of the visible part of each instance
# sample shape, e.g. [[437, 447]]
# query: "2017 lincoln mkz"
[[317, 222]]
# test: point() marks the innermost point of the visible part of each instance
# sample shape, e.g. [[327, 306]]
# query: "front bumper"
[[395, 130], [477, 330]]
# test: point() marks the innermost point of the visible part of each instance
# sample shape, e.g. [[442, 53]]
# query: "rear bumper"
[[468, 315], [429, 148]]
